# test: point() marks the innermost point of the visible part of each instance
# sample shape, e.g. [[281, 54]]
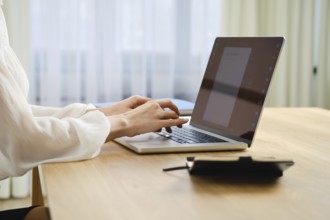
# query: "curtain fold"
[[323, 92]]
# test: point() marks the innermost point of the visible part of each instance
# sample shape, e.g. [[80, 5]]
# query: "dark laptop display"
[[235, 85]]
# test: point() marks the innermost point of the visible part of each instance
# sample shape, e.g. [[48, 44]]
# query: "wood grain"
[[120, 184]]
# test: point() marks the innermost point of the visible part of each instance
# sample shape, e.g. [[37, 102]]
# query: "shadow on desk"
[[236, 184]]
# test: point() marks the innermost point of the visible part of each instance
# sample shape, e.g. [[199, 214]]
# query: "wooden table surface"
[[120, 184]]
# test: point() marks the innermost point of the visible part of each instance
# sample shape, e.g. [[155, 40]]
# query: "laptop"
[[229, 103]]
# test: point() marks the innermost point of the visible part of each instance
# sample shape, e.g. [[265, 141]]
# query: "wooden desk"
[[120, 184]]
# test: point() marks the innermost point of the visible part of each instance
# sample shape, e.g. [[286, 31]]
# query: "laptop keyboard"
[[186, 135]]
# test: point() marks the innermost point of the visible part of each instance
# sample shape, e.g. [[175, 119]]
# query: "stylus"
[[175, 168]]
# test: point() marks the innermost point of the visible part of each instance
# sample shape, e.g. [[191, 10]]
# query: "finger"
[[169, 129], [169, 104], [139, 100], [169, 115], [186, 119], [173, 122]]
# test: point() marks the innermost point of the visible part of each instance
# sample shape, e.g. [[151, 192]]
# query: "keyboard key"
[[185, 135]]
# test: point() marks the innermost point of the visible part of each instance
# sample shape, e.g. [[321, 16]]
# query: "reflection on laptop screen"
[[226, 86], [235, 84]]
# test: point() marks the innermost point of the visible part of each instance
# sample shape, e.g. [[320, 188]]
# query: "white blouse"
[[31, 135]]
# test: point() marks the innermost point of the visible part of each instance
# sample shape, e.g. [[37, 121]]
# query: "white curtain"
[[323, 82], [106, 50]]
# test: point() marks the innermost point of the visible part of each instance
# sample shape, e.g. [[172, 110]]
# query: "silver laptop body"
[[230, 100]]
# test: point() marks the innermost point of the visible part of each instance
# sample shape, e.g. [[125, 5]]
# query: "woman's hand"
[[124, 105], [148, 117]]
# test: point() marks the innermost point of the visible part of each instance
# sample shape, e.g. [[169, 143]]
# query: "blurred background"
[[106, 50]]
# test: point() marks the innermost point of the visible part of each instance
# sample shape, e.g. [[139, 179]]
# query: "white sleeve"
[[27, 140], [73, 110]]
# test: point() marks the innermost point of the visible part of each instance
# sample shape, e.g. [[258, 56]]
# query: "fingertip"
[[168, 129], [185, 120]]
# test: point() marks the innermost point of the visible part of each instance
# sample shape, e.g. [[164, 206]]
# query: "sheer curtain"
[[323, 58], [106, 50]]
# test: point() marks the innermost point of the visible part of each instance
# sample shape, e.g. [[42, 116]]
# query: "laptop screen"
[[235, 85]]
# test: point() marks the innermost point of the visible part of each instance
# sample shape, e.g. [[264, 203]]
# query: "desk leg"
[[37, 198]]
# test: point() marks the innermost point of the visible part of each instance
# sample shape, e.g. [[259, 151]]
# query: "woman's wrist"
[[119, 127]]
